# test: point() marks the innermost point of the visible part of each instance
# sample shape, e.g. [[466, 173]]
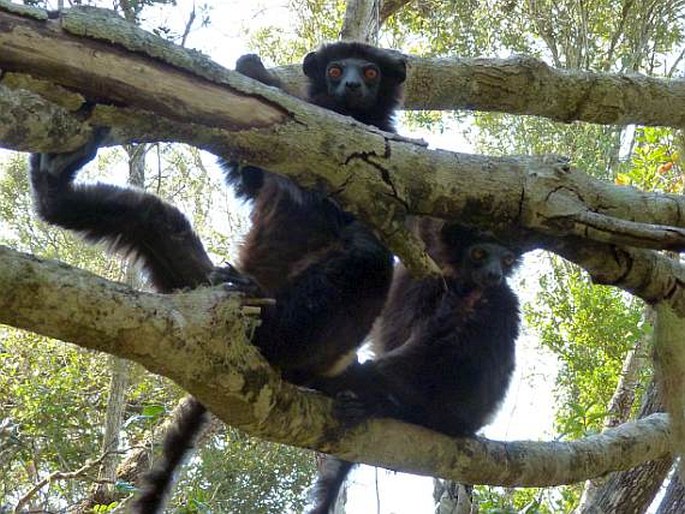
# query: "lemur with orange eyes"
[[444, 346]]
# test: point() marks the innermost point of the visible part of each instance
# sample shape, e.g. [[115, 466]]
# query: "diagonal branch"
[[178, 95], [206, 327]]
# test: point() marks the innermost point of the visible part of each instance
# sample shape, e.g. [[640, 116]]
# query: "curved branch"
[[205, 326], [652, 276]]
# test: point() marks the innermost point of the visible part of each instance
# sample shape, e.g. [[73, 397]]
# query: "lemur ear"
[[395, 66], [310, 64]]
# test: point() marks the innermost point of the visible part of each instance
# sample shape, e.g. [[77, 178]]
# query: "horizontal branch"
[[378, 176], [524, 85], [652, 276], [515, 463], [207, 327]]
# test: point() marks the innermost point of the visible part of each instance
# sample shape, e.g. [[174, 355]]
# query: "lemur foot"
[[233, 280]]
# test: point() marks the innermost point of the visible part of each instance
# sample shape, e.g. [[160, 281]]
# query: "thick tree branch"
[[669, 360], [361, 21], [178, 95], [207, 327], [525, 85]]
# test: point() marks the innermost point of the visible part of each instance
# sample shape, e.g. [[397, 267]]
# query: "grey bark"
[[673, 501], [207, 327], [176, 94], [669, 364], [620, 406], [373, 174], [361, 22], [453, 498]]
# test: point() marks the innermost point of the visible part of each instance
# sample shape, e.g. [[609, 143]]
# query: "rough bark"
[[517, 85], [525, 85], [373, 174], [674, 499], [82, 66], [207, 327], [452, 498], [361, 22], [669, 364]]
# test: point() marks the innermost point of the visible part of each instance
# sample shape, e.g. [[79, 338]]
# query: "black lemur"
[[444, 346], [328, 274]]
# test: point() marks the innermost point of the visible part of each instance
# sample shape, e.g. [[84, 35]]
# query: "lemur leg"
[[127, 220]]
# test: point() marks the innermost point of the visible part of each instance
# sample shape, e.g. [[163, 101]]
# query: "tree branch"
[[374, 174], [62, 77], [57, 475], [525, 85], [206, 327]]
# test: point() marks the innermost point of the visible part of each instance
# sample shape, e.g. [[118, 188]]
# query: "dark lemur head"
[[470, 256], [357, 80]]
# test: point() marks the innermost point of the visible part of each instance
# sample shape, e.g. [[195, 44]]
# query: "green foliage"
[[595, 35], [52, 398], [153, 412], [466, 29], [315, 22], [593, 148], [497, 500], [103, 509], [654, 163], [243, 474], [52, 395], [590, 328]]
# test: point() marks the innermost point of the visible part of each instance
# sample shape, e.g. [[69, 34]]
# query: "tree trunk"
[[452, 497], [674, 499], [632, 491]]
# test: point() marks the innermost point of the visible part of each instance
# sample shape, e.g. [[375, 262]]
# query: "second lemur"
[[444, 346]]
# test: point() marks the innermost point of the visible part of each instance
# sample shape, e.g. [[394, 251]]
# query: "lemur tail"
[[332, 474], [179, 441]]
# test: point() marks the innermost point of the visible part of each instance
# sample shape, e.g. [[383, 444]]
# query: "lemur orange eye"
[[370, 73], [478, 254], [335, 72]]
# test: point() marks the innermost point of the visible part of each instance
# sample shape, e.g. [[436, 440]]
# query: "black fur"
[[374, 105], [328, 274], [134, 223], [444, 346], [146, 229], [392, 66], [329, 481], [178, 442]]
